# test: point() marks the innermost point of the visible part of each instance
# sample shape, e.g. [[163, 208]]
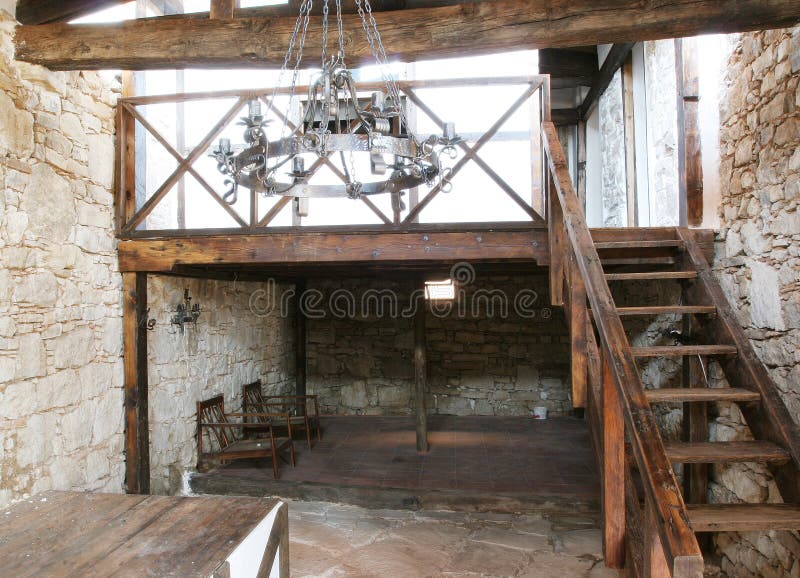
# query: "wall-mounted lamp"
[[186, 312]]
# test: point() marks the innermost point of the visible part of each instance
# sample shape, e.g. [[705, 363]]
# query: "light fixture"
[[335, 123], [185, 312]]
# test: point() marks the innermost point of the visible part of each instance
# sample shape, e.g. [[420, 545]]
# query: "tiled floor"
[[478, 454]]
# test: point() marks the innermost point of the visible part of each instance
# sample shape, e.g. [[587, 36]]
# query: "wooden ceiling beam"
[[613, 62], [47, 11], [409, 35]]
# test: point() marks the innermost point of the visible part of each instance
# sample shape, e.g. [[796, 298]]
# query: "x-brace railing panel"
[[130, 217]]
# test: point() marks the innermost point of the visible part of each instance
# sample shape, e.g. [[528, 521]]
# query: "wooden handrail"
[[661, 490]]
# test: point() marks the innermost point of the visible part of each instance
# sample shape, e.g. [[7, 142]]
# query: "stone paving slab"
[[330, 540]]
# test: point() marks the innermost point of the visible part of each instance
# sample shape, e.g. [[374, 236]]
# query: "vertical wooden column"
[[420, 377], [613, 471], [578, 327], [137, 437], [555, 233], [222, 8], [630, 140], [690, 153], [300, 341]]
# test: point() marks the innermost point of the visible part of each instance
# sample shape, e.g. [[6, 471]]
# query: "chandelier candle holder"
[[335, 123]]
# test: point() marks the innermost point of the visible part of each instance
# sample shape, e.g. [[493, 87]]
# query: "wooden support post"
[[578, 326], [655, 563], [555, 225], [420, 376], [137, 440], [222, 8], [690, 153], [300, 341], [613, 471], [630, 140]]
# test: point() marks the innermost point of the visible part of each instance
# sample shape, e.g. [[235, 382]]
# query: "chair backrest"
[[213, 411], [253, 400]]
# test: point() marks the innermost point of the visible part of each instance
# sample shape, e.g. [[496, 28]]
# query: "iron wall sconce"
[[186, 312]]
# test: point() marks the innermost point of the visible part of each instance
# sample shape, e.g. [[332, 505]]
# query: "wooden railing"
[[134, 204], [617, 402]]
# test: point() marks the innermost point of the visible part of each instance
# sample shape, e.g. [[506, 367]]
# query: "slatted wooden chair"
[[303, 410], [220, 428]]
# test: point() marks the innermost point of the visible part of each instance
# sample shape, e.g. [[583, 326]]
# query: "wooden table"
[[82, 534]]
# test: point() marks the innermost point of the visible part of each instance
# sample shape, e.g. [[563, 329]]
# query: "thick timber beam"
[[483, 27], [164, 255]]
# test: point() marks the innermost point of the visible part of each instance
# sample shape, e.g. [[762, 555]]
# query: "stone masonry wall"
[[478, 363], [234, 342], [60, 291], [612, 138], [758, 260]]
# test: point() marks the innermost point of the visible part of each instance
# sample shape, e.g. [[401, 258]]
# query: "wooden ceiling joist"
[[476, 28], [45, 11]]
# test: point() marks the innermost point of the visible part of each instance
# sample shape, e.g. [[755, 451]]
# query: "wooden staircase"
[[651, 522]]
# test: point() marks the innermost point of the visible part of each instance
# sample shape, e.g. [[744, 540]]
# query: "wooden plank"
[[660, 487], [300, 340], [471, 28], [614, 60], [702, 394], [667, 310], [137, 441], [420, 375], [744, 517], [651, 275], [44, 11], [769, 420], [613, 472], [725, 452], [162, 255], [679, 350], [636, 245]]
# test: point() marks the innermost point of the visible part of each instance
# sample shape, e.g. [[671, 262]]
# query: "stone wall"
[[234, 342], [479, 362], [60, 293], [758, 260], [612, 139]]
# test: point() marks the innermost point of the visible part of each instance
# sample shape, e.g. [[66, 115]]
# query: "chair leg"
[[308, 436], [319, 435], [275, 465], [291, 453]]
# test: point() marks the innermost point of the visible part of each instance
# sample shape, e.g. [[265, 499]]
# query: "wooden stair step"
[[743, 517], [651, 275], [726, 452], [681, 350], [657, 244], [628, 261], [667, 310], [700, 394]]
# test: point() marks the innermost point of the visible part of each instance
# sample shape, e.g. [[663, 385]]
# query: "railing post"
[[555, 228], [613, 471], [578, 328], [655, 563]]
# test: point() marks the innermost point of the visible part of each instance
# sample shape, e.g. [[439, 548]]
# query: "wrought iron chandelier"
[[334, 121]]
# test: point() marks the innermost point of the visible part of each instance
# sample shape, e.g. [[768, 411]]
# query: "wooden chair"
[[211, 418], [297, 406]]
